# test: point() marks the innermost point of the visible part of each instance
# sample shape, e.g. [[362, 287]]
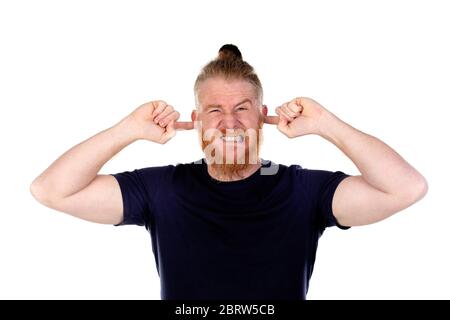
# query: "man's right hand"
[[154, 121], [72, 183]]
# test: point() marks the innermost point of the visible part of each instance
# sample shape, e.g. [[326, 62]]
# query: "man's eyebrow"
[[243, 101], [210, 106]]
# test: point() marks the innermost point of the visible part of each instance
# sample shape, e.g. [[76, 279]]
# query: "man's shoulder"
[[300, 172]]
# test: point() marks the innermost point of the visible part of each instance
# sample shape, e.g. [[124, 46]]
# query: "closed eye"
[[213, 110], [241, 108]]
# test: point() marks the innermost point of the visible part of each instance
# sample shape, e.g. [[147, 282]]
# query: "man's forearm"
[[380, 166], [77, 167]]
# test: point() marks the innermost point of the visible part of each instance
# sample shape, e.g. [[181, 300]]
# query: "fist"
[[299, 117], [154, 121]]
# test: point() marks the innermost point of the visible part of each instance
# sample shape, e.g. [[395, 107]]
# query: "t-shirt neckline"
[[251, 178]]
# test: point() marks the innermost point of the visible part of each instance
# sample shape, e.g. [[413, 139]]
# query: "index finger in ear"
[[271, 119], [184, 125]]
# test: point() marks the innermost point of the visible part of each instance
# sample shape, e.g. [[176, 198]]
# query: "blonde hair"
[[230, 66]]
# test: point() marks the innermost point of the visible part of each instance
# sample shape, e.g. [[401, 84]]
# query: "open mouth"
[[237, 138]]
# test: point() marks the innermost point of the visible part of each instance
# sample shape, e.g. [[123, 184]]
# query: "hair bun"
[[229, 52]]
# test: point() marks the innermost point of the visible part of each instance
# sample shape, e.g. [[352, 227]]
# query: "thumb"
[[283, 125], [170, 131]]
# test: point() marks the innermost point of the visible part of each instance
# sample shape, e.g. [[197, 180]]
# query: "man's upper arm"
[[100, 201], [357, 203]]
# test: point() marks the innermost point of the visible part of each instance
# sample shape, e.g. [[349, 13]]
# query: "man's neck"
[[215, 173]]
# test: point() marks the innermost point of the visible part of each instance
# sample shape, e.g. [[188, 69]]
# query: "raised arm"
[[72, 184], [387, 183]]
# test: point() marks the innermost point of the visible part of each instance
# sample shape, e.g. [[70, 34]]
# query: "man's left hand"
[[299, 117]]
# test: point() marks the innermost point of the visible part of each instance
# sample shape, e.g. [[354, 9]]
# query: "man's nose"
[[230, 121]]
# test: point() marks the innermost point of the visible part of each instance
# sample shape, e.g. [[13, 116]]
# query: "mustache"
[[228, 131]]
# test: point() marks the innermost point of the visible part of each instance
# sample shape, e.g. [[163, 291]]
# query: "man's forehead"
[[226, 93]]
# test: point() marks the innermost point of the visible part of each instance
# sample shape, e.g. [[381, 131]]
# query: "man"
[[231, 226]]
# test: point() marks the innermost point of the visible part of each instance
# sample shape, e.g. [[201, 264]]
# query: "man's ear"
[[194, 118], [194, 115], [264, 110]]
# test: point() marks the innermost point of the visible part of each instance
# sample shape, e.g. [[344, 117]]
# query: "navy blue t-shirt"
[[254, 238]]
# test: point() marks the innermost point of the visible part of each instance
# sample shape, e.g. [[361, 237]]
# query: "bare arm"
[[387, 183], [72, 184]]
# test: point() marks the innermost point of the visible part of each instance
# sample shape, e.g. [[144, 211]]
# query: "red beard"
[[228, 165]]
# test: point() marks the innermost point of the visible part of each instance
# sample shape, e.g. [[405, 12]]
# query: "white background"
[[71, 69]]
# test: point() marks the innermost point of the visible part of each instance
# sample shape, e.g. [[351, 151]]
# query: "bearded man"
[[231, 225]]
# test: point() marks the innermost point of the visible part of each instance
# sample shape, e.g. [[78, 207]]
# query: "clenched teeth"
[[238, 138]]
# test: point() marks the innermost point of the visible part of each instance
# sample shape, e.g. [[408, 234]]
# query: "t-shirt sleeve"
[[324, 184], [138, 188]]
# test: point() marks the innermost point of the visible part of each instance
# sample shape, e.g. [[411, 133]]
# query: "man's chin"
[[231, 160], [229, 171]]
